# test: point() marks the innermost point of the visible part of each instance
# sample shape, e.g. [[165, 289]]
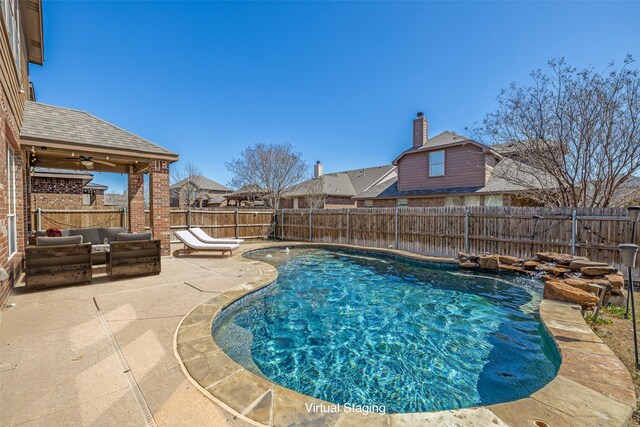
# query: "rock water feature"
[[566, 277]]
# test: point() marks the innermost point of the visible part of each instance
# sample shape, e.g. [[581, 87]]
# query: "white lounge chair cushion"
[[204, 237], [191, 241]]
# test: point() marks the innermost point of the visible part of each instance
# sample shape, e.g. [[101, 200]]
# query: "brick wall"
[[9, 137], [159, 196], [426, 202], [62, 193], [135, 191]]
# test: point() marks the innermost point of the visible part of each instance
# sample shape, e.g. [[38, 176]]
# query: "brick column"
[[160, 220], [136, 202]]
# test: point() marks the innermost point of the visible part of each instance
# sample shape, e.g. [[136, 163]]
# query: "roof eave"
[[33, 30]]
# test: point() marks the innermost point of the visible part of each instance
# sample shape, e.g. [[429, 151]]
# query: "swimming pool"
[[355, 329]]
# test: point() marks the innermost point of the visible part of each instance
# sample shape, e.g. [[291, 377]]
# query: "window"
[[402, 203], [86, 199], [11, 203], [453, 201], [368, 203], [472, 201], [493, 200], [11, 14], [436, 163]]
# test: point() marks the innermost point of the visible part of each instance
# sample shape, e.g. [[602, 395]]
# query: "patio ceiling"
[[63, 138]]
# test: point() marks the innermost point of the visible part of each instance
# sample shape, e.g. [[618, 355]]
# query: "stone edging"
[[592, 387]]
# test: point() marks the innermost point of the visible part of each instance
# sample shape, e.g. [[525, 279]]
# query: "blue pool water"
[[347, 327]]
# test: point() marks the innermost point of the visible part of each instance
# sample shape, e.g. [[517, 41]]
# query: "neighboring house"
[[338, 189], [198, 191], [245, 196], [446, 170], [68, 189]]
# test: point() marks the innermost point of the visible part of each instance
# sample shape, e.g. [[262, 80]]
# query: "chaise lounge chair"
[[205, 238], [194, 245]]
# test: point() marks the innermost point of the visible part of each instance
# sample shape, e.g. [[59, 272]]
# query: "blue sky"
[[340, 81]]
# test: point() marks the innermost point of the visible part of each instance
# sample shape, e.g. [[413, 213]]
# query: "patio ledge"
[[592, 387]]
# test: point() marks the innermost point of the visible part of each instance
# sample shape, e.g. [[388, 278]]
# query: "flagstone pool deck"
[[139, 352]]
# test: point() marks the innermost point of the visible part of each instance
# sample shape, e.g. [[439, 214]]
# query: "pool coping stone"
[[592, 387]]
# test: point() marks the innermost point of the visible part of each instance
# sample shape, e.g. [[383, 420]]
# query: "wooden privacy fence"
[[445, 231], [44, 219], [241, 223], [238, 223]]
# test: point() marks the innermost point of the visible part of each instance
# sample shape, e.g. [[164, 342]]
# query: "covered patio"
[[63, 138]]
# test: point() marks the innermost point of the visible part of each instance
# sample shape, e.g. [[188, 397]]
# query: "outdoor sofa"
[[68, 259]]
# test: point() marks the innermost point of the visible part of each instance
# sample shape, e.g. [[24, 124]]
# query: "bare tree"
[[270, 169], [315, 196], [575, 134], [186, 186]]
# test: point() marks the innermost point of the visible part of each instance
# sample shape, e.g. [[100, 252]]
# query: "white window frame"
[[12, 205], [402, 203], [432, 164], [368, 203]]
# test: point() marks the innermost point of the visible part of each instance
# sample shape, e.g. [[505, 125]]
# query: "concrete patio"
[[102, 354]]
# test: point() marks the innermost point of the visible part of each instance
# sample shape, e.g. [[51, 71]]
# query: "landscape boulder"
[[464, 257], [615, 280], [598, 270], [531, 265], [510, 260], [580, 263], [489, 262], [553, 270], [558, 258], [560, 291]]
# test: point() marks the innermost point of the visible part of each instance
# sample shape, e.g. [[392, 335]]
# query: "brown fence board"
[[442, 231]]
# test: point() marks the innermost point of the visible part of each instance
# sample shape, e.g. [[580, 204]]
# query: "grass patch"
[[614, 310], [599, 321]]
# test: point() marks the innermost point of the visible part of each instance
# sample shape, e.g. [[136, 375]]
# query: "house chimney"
[[317, 169], [420, 130]]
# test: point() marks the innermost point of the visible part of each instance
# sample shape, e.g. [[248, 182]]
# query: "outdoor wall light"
[[628, 253]]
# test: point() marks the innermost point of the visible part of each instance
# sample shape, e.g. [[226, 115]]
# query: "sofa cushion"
[[55, 241], [89, 235], [43, 233], [111, 233], [134, 236]]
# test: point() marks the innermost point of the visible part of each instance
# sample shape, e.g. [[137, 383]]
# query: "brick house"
[[67, 189], [198, 191], [336, 190], [39, 135], [446, 170]]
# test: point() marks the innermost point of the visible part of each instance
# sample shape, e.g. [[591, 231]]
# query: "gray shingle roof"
[[203, 183], [54, 171], [49, 122], [441, 140], [347, 184]]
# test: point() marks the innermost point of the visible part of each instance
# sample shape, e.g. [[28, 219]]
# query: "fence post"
[[189, 218], [396, 238], [348, 226], [310, 226], [574, 232], [466, 230], [282, 224], [39, 219], [237, 224]]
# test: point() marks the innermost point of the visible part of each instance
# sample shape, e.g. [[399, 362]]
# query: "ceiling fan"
[[88, 161]]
